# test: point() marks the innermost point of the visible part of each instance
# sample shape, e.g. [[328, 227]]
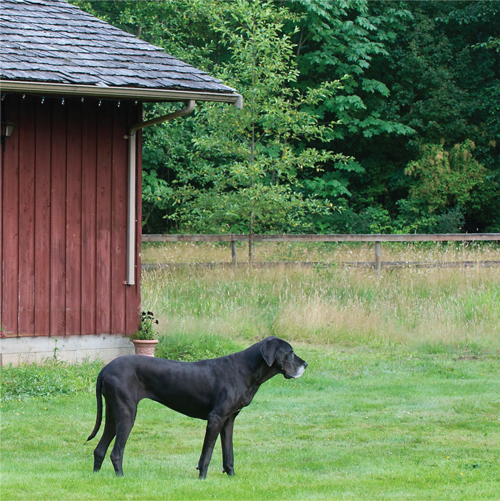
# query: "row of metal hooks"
[[82, 100]]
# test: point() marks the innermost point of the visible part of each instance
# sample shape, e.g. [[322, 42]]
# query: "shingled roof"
[[55, 45]]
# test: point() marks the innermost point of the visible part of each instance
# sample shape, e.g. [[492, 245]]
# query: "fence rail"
[[438, 237], [377, 239]]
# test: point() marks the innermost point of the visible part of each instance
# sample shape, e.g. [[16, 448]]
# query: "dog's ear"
[[269, 349]]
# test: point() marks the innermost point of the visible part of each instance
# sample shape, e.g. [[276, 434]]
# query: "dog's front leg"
[[214, 426], [226, 437]]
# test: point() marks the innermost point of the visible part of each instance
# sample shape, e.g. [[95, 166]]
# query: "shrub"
[[191, 347]]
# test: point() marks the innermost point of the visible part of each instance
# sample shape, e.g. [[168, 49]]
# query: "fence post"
[[378, 256], [233, 252]]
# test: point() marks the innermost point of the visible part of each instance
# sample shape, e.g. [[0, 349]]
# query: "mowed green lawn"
[[362, 424], [401, 399]]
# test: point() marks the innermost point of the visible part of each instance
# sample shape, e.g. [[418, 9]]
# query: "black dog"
[[215, 390]]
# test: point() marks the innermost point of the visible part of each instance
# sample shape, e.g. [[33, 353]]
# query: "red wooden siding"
[[63, 200]]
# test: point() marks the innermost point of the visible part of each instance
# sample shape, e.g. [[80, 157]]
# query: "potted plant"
[[145, 339]]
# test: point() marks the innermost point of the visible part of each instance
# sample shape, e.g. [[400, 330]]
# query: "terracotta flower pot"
[[145, 347]]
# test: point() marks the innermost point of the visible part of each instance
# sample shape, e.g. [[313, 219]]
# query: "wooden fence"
[[376, 239]]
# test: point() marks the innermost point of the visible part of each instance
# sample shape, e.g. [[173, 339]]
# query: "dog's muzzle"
[[299, 372]]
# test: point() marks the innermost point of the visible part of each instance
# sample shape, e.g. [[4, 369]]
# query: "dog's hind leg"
[[214, 426], [123, 427], [226, 437], [107, 436]]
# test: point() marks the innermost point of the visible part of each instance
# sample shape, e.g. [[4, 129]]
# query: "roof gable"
[[51, 41]]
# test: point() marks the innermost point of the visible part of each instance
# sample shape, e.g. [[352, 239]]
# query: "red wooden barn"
[[72, 89]]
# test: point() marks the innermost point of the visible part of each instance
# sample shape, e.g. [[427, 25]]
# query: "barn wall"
[[63, 200]]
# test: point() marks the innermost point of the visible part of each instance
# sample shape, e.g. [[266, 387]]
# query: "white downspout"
[[132, 148]]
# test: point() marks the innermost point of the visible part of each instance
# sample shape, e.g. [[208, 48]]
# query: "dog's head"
[[279, 353]]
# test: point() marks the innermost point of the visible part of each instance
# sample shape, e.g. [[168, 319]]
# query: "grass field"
[[432, 309], [401, 399]]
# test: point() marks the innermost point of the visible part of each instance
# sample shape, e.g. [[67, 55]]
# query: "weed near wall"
[[48, 379]]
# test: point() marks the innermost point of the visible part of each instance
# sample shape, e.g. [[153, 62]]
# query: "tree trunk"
[[250, 242]]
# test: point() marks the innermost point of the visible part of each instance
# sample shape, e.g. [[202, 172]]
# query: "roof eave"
[[139, 93]]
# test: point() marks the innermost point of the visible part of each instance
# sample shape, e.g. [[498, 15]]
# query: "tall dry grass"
[[327, 252], [432, 308]]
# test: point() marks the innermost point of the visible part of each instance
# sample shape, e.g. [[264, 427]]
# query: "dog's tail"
[[98, 394]]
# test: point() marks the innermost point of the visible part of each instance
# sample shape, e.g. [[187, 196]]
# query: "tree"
[[344, 38], [354, 38], [258, 152], [384, 83]]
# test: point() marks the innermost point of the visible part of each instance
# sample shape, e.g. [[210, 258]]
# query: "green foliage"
[[273, 209], [258, 151], [146, 331], [335, 39], [413, 217], [340, 98], [332, 185], [156, 194], [442, 85], [446, 177]]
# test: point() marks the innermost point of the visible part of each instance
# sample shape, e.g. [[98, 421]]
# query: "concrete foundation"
[[74, 349]]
